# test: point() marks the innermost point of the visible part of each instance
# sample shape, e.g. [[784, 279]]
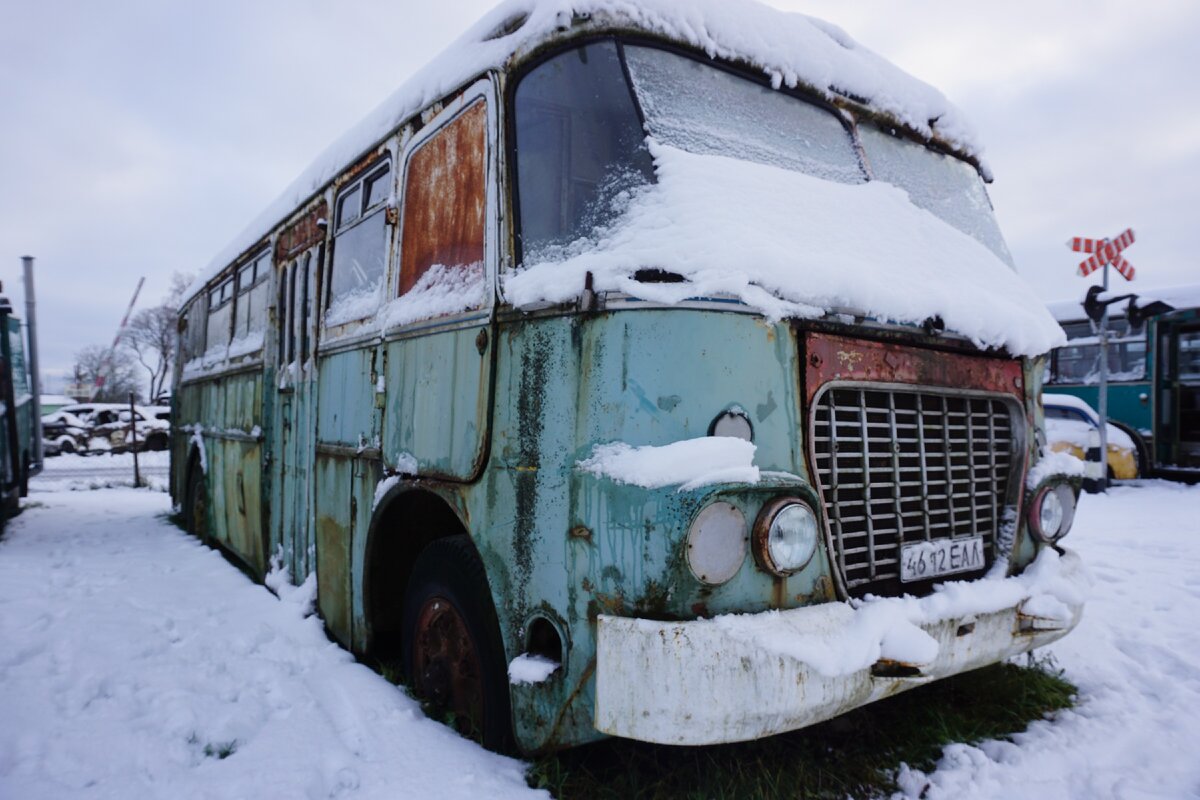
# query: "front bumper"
[[705, 682]]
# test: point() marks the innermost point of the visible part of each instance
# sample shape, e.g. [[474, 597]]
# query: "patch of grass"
[[217, 750], [220, 750], [857, 754]]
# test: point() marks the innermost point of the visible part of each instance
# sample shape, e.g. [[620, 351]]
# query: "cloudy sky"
[[140, 136]]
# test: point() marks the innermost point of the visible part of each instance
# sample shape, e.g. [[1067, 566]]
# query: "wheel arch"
[[406, 519]]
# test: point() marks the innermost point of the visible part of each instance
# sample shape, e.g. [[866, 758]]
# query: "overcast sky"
[[139, 136]]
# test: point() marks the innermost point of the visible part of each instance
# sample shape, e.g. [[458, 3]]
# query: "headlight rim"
[[761, 535], [1067, 500]]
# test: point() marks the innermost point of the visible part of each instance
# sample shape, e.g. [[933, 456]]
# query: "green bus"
[[1153, 375], [620, 345], [18, 425]]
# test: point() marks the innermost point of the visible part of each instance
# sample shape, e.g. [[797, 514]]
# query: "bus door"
[[293, 422], [1179, 391]]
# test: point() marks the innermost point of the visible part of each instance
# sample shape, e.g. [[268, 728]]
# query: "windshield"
[[581, 149], [709, 111], [940, 184], [582, 118]]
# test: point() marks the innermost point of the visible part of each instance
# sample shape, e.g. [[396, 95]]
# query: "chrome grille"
[[898, 466]]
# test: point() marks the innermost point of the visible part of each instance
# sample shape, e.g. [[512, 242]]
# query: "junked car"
[[1073, 426]]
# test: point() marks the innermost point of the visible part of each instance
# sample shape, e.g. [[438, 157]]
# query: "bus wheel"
[[196, 512], [25, 476], [451, 644]]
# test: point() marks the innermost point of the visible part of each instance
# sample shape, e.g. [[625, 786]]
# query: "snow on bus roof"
[[793, 49]]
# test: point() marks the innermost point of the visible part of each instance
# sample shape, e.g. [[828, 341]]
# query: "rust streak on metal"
[[302, 234], [445, 195], [843, 359], [588, 671]]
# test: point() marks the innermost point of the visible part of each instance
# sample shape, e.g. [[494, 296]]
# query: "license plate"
[[924, 560]]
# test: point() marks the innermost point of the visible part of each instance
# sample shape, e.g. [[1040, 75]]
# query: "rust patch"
[[333, 577], [445, 195], [839, 358], [302, 234]]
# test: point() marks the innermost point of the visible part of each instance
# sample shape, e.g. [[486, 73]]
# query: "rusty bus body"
[[372, 447]]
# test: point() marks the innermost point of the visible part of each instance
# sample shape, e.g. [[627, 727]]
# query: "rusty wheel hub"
[[446, 668]]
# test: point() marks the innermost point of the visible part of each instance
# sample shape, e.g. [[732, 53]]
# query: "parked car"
[[1072, 426], [108, 428], [63, 432]]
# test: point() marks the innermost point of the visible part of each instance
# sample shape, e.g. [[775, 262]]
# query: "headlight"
[[785, 536], [1052, 512], [716, 544]]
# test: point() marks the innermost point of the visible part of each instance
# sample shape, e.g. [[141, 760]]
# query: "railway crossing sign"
[[1104, 252]]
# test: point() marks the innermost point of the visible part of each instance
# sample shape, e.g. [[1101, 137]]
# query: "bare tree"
[[120, 376], [152, 336]]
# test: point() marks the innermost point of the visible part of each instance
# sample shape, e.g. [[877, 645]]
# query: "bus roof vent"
[[508, 27]]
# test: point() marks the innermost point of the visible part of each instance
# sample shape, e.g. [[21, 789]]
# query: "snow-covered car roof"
[[65, 417], [1071, 401], [1057, 429]]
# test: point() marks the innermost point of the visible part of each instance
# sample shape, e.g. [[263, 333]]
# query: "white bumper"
[[699, 682]]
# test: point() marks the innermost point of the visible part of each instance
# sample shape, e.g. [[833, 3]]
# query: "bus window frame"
[[485, 88], [359, 184], [262, 264]]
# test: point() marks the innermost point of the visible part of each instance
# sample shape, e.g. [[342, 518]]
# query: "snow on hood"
[[789, 244], [791, 48]]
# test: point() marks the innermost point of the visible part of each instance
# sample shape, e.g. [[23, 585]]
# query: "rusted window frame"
[[482, 89]]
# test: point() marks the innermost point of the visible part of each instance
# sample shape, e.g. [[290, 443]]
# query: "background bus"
[[1153, 373], [18, 424]]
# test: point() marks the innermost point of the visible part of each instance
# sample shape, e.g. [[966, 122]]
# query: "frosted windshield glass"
[[709, 111], [941, 184]]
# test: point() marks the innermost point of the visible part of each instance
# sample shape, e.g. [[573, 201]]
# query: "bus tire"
[[195, 512], [24, 476], [450, 643]]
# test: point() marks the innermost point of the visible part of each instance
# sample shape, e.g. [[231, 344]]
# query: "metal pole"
[[137, 475], [35, 379], [1102, 482]]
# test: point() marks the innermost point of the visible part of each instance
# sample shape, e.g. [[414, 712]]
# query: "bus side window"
[[301, 305], [360, 248], [445, 199], [284, 316], [252, 287], [220, 314]]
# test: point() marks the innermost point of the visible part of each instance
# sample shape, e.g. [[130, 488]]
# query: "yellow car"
[[1072, 426]]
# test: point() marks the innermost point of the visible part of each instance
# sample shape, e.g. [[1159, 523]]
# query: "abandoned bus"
[[1153, 375], [598, 371]]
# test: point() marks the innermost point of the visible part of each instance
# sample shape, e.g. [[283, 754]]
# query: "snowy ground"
[[132, 659], [72, 472]]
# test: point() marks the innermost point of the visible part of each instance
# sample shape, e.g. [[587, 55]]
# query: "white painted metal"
[[693, 683]]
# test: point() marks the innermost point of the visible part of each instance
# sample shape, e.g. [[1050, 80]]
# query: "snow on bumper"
[[737, 678]]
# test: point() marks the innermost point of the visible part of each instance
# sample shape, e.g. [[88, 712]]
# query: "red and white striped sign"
[[1105, 251]]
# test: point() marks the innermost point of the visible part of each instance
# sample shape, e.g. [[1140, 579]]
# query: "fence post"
[[137, 475]]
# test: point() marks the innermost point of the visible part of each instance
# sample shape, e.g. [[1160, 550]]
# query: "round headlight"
[[785, 536], [716, 544], [1050, 515], [1053, 512]]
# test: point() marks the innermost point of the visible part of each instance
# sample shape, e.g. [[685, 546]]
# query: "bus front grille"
[[898, 466]]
